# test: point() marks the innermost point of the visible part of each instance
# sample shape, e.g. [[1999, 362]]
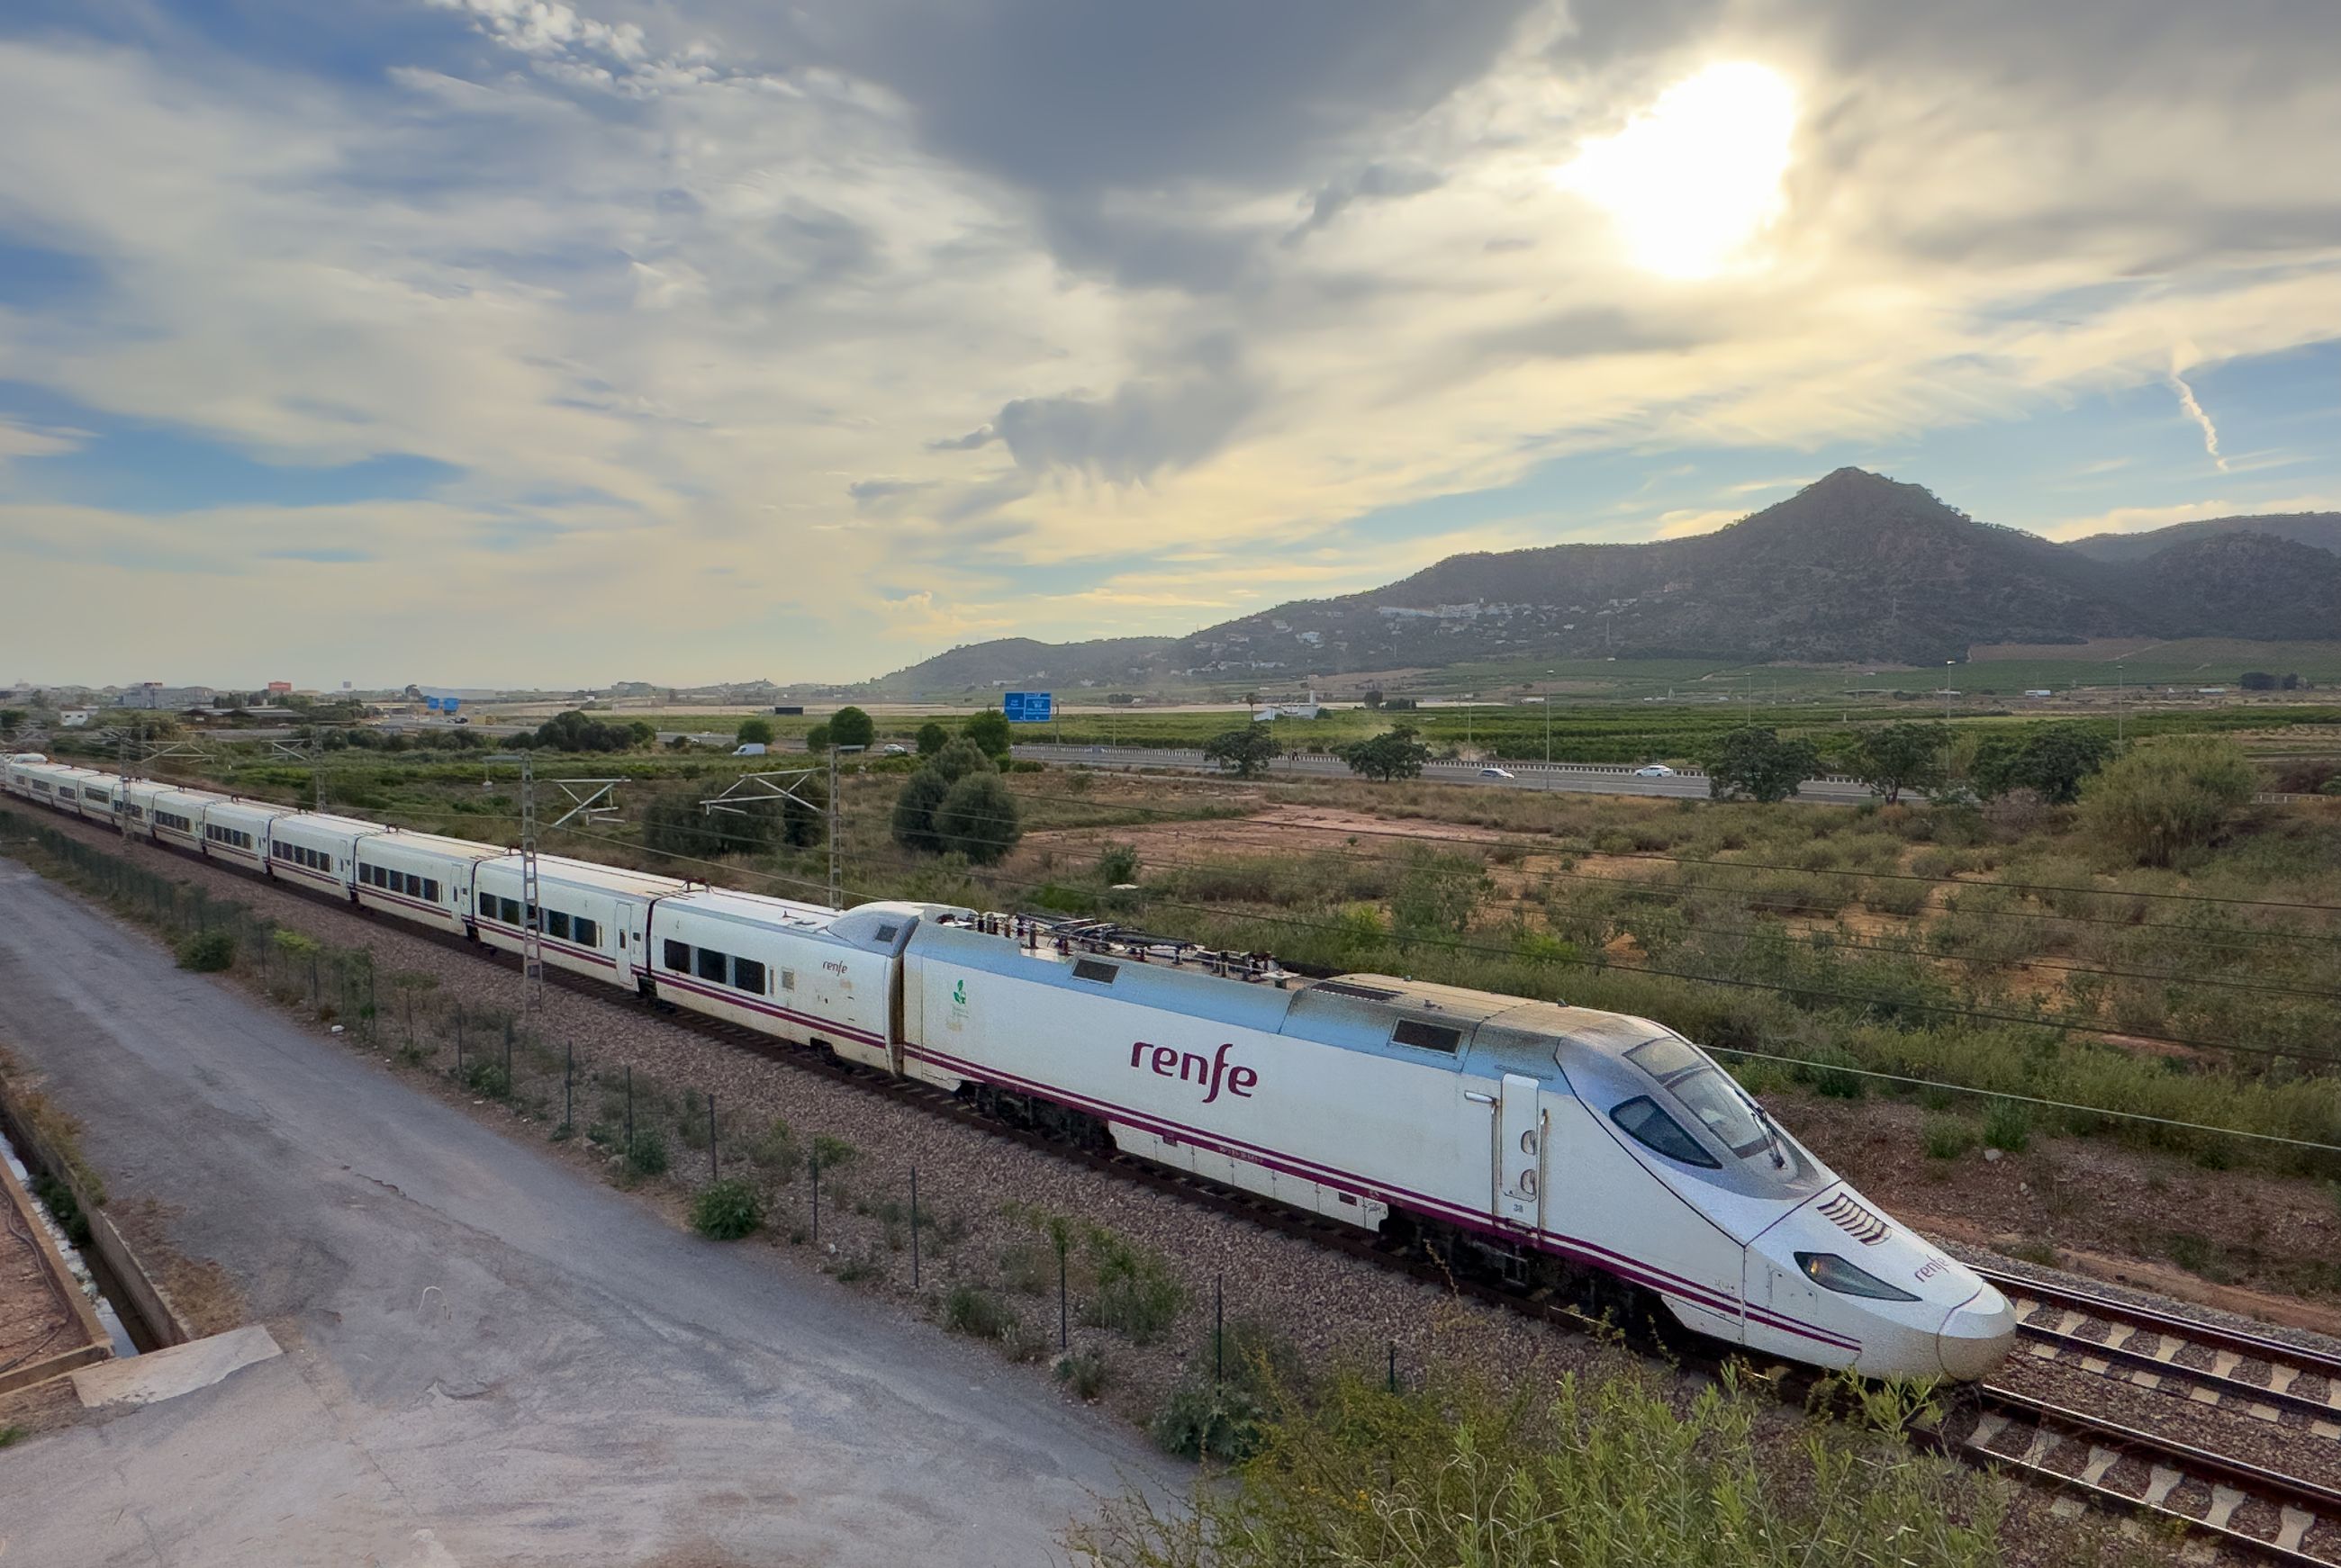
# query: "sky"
[[484, 342]]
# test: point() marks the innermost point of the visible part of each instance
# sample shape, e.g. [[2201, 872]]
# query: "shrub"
[[1948, 1138], [486, 1077], [979, 1314], [208, 952], [776, 1150], [1201, 1421], [1607, 1469], [1135, 1293], [2167, 797], [961, 758], [1083, 1372], [2007, 1125], [646, 1155], [754, 732], [829, 1152], [1118, 864], [727, 1210], [913, 822]]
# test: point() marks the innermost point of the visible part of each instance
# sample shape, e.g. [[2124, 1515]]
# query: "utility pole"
[[127, 760], [2121, 694], [1548, 716], [531, 938]]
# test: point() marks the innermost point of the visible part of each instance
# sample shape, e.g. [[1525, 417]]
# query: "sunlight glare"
[[1695, 177]]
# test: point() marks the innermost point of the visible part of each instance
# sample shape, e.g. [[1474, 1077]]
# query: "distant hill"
[[2320, 530], [1855, 567]]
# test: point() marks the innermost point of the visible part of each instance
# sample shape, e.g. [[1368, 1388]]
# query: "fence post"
[[630, 1113], [1064, 1318], [914, 1228], [1219, 1328], [568, 1079], [713, 1173], [813, 1163], [1393, 1366]]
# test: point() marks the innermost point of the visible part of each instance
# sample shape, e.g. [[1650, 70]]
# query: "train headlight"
[[1831, 1272]]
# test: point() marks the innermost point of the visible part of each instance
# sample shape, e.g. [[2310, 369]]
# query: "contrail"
[[2194, 411]]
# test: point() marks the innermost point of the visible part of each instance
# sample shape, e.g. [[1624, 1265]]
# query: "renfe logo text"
[[1212, 1072]]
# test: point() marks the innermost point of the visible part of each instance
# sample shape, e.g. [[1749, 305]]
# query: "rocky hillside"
[[1853, 568]]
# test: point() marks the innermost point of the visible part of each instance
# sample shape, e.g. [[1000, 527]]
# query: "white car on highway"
[[1655, 770], [1494, 773]]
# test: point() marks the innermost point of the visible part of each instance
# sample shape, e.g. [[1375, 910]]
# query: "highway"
[[1577, 777]]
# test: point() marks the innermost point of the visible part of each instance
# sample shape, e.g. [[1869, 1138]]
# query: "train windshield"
[[1704, 1091]]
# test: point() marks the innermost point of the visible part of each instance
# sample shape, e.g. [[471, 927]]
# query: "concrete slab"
[[177, 1369]]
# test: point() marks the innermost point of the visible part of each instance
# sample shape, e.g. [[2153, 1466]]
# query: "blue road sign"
[[1027, 707], [431, 704], [449, 704]]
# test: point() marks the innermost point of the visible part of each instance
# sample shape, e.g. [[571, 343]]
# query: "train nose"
[[1976, 1336]]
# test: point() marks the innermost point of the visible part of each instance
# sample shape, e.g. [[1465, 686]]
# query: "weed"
[[646, 1155], [1948, 1138], [2198, 1255], [727, 1210], [776, 1150], [2008, 1126], [1117, 863], [1084, 1372], [64, 1207], [208, 952], [487, 1078], [1135, 1293], [1201, 1421], [979, 1314], [857, 1268], [2031, 1251], [830, 1153], [12, 1436]]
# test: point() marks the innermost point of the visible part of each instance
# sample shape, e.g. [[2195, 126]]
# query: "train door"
[[633, 941], [1519, 1152]]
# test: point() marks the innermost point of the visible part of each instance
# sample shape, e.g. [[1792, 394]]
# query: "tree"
[[1753, 763], [817, 739], [1245, 751], [2258, 680], [979, 819], [676, 823], [643, 731], [851, 727], [2052, 760], [754, 732], [1374, 697], [2166, 797], [1397, 753], [933, 738], [573, 731], [960, 759], [990, 730], [1900, 757], [913, 824]]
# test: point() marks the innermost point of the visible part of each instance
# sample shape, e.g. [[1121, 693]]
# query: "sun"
[[1690, 181]]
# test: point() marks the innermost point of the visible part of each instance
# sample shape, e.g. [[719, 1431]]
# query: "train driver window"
[[1652, 1127]]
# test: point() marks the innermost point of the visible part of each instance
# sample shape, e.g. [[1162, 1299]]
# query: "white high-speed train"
[[1553, 1140]]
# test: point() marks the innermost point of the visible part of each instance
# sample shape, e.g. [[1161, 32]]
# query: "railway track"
[[2262, 1514]]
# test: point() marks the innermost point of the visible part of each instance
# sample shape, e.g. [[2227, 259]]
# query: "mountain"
[[2321, 530], [1854, 568]]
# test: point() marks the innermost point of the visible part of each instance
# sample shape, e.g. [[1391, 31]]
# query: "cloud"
[[2194, 411], [1375, 182], [30, 441], [1143, 427], [2143, 518]]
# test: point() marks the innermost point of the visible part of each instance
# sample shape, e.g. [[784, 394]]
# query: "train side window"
[[431, 889], [678, 957], [715, 966], [556, 924], [1652, 1127], [748, 975], [510, 911], [1426, 1037], [586, 932], [1090, 969]]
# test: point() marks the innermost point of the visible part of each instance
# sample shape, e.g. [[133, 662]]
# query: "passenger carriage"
[[236, 831], [58, 784], [420, 877], [176, 817], [317, 850], [596, 917], [800, 971]]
